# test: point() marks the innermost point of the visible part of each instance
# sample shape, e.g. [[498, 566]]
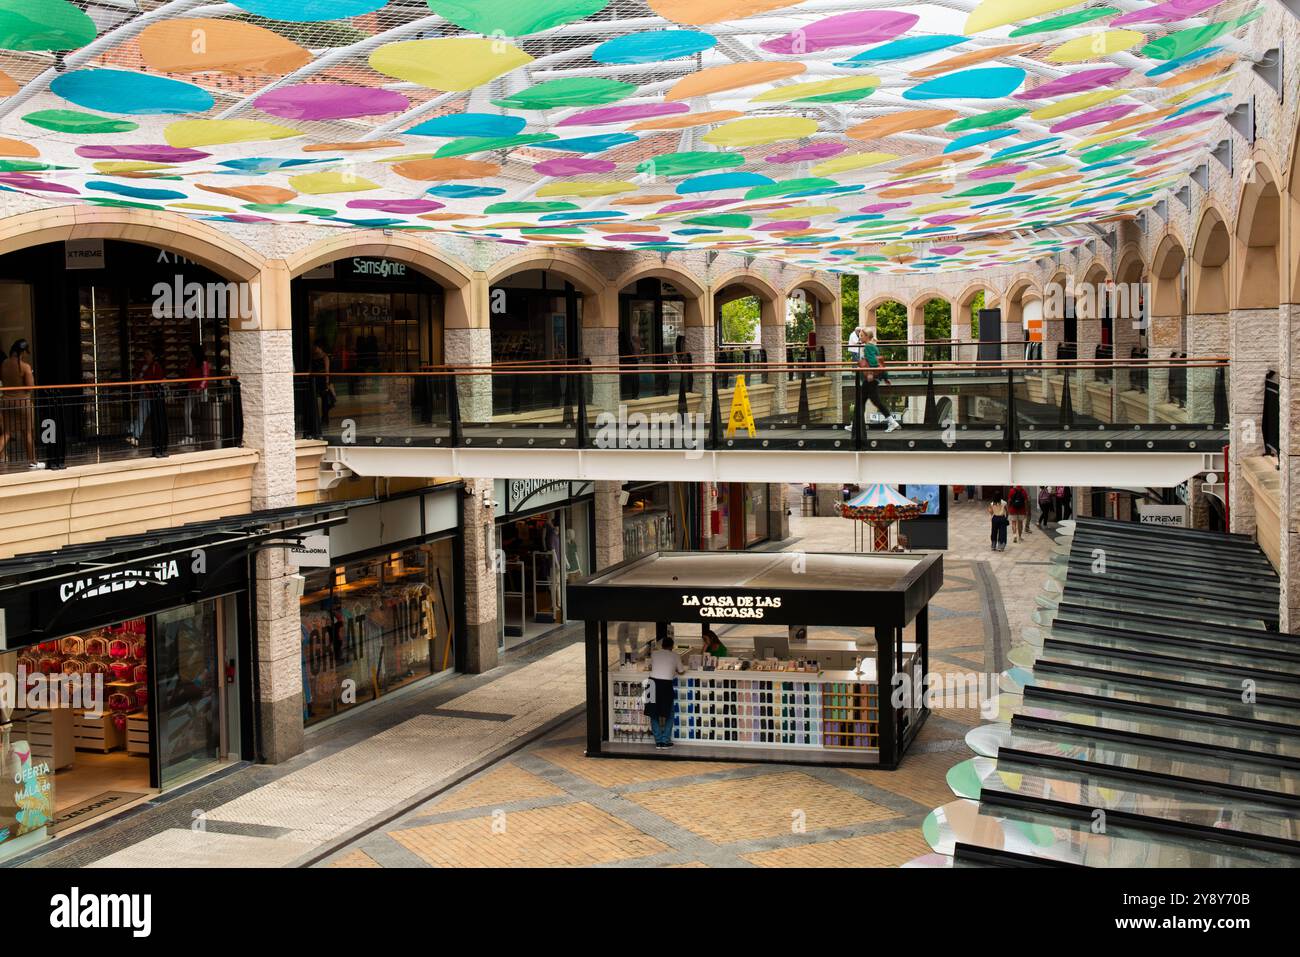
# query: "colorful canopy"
[[965, 135], [881, 503]]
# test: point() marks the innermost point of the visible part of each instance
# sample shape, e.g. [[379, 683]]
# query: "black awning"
[[49, 594]]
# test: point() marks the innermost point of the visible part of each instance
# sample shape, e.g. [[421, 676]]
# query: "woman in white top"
[[665, 666], [998, 512]]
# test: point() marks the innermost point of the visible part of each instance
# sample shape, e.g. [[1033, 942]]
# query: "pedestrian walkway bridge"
[[1080, 422]]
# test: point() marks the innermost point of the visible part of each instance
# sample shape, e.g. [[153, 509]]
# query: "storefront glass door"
[[187, 681]]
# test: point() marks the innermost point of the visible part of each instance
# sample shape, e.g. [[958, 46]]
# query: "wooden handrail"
[[119, 385]]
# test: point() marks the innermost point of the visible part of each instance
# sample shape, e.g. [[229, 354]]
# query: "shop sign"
[[1170, 516], [126, 578], [532, 493], [83, 254], [377, 268], [752, 607], [312, 552]]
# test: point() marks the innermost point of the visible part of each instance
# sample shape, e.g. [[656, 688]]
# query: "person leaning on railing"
[[17, 413]]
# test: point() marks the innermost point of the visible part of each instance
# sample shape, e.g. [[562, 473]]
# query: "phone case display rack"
[[767, 709], [646, 531]]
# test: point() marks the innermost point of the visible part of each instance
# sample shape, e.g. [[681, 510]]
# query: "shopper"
[[197, 371], [322, 390], [17, 412], [1017, 508], [1045, 499], [873, 374], [857, 339], [998, 513], [665, 666], [149, 371], [713, 644], [1063, 503]]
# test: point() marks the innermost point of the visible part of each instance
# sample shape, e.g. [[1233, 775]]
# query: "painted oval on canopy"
[[230, 46], [859, 26], [731, 76]]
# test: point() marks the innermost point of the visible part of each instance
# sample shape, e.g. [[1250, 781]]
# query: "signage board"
[[312, 552], [1170, 516], [83, 254]]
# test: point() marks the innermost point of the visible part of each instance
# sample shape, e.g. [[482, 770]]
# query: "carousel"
[[878, 506]]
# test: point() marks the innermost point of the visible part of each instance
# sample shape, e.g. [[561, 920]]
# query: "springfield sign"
[[731, 606]]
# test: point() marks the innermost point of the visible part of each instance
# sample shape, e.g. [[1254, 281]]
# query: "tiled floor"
[[550, 804], [546, 804]]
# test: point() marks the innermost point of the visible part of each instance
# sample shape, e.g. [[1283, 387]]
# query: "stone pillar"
[[467, 341], [609, 524], [772, 338], [1289, 463], [778, 517], [1207, 337], [1255, 342], [1089, 337], [1164, 337], [916, 333], [479, 577], [1126, 328], [701, 344], [261, 355], [830, 337], [829, 495]]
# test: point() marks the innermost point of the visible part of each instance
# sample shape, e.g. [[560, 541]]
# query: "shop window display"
[[648, 523], [372, 626]]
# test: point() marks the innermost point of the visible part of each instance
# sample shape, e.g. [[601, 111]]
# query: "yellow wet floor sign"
[[741, 414]]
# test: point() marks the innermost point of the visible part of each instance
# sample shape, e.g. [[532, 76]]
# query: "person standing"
[[197, 371], [17, 412], [322, 390], [998, 530], [1045, 499], [148, 372], [857, 338], [665, 666], [1062, 503], [1017, 508], [873, 374]]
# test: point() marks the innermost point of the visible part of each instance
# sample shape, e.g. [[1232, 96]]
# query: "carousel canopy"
[[836, 134], [881, 496]]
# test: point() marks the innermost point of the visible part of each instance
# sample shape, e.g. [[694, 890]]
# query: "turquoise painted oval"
[[137, 94]]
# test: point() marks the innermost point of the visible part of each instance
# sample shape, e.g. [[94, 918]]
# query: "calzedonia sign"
[[750, 607]]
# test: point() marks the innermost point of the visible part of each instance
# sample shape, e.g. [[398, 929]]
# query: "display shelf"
[[137, 733], [752, 709], [90, 733]]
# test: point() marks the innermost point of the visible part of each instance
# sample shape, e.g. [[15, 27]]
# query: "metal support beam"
[[1269, 68], [1222, 151], [1242, 119], [1153, 469]]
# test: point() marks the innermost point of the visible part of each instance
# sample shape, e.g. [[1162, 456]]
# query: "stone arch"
[[1132, 265], [597, 309], [198, 241], [695, 293], [771, 302], [830, 306], [455, 279], [1256, 238], [1211, 250], [1166, 271]]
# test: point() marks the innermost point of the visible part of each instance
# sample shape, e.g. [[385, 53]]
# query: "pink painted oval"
[[845, 29]]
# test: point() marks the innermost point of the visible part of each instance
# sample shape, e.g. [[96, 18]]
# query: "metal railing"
[[53, 426], [1271, 426], [1015, 405]]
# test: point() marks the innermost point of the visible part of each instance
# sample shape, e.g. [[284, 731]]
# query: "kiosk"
[[814, 642]]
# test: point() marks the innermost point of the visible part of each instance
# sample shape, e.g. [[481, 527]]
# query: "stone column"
[[778, 518], [467, 341], [1289, 463], [479, 577], [916, 333], [1255, 342], [701, 344], [830, 337], [609, 524], [1089, 336], [1164, 337], [261, 355], [1126, 329], [772, 338], [1207, 337]]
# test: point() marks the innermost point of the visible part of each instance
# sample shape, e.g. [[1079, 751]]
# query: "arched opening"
[[95, 311], [888, 317], [1258, 221], [934, 317], [1210, 250], [651, 330], [1168, 301], [538, 319]]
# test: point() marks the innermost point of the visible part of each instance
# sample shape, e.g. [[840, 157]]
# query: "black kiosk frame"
[[808, 589]]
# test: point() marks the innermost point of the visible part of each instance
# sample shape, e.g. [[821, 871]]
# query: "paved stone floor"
[[549, 805], [489, 769]]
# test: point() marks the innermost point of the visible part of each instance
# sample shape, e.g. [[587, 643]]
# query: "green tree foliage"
[[976, 305], [740, 319], [891, 323], [848, 306], [799, 322], [938, 325]]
